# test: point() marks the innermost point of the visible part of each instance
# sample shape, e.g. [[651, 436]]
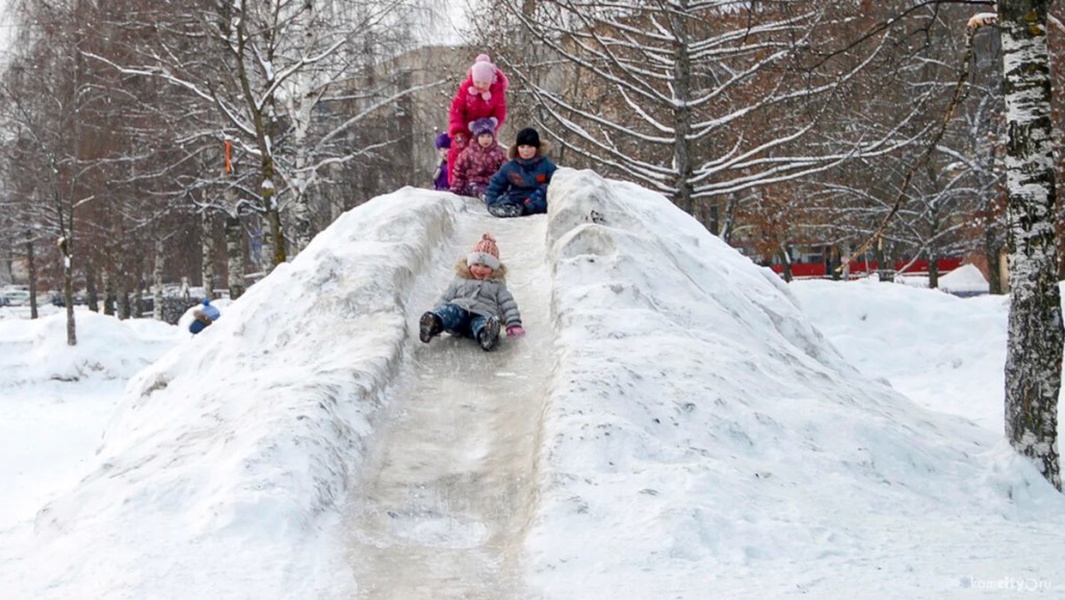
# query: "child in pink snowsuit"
[[481, 95]]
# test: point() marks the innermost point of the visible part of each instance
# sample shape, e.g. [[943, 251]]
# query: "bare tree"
[[702, 100], [46, 86], [1036, 334], [278, 74]]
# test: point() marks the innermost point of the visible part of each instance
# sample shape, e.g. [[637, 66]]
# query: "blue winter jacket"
[[522, 182]]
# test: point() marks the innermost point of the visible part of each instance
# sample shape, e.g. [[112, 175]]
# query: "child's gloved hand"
[[515, 331]]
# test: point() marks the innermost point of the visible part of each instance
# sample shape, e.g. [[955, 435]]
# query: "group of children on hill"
[[471, 161], [477, 303]]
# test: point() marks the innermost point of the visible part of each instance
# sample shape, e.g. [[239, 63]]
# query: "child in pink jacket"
[[481, 95]]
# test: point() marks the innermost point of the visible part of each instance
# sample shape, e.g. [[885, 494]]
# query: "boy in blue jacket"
[[204, 316], [520, 186]]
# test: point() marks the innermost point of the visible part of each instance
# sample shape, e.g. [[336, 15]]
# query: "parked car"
[[16, 297]]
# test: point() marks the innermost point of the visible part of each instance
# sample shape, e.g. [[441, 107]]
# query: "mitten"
[[536, 202], [515, 331]]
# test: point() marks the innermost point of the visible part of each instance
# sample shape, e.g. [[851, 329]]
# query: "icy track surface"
[[449, 482]]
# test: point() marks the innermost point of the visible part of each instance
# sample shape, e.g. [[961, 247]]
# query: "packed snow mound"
[[965, 280], [697, 425], [687, 372], [102, 351], [244, 435]]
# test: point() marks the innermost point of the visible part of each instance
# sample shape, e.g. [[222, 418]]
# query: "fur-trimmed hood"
[[462, 271], [544, 150]]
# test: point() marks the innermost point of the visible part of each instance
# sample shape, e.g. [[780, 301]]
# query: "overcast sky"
[[5, 24]]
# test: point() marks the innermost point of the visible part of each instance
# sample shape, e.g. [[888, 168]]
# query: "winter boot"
[[505, 210], [429, 326], [489, 336]]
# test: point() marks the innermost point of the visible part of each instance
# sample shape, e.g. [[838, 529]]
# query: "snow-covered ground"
[[678, 423]]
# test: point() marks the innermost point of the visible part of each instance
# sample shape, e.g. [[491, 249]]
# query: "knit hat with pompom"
[[484, 125], [485, 252], [483, 71]]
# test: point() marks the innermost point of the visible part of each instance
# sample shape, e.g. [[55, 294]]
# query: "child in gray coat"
[[477, 303]]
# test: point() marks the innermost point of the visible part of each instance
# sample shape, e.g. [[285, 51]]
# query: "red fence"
[[817, 269]]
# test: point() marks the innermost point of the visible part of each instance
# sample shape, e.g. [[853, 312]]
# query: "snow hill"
[[671, 427]]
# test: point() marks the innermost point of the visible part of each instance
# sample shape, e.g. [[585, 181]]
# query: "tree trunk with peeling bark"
[[1036, 335]]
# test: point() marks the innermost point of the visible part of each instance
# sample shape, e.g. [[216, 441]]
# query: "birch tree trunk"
[[207, 247], [107, 277], [301, 110], [1035, 337], [235, 247]]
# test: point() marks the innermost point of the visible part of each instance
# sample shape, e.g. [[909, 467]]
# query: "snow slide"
[[672, 427], [450, 482]]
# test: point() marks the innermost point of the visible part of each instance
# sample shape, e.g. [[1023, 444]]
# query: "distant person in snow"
[[477, 303], [482, 94], [204, 316], [440, 176], [479, 161], [520, 186]]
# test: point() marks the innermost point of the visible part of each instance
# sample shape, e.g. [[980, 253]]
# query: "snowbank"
[[107, 347], [701, 438], [961, 355], [233, 448], [701, 427], [966, 280]]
